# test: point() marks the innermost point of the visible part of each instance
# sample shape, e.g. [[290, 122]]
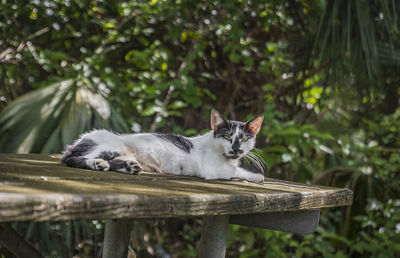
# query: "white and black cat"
[[213, 155]]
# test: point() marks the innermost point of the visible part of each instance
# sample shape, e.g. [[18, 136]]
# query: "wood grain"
[[38, 187]]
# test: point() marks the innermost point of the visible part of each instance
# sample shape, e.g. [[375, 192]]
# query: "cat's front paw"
[[258, 178], [101, 164]]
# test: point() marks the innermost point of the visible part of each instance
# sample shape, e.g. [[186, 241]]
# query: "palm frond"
[[350, 35], [45, 120]]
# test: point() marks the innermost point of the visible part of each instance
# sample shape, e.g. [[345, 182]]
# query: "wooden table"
[[37, 187]]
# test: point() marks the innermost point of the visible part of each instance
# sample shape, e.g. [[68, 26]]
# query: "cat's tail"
[[66, 154], [72, 160], [74, 155]]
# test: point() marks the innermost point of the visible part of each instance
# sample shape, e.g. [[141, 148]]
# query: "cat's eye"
[[227, 138], [244, 139]]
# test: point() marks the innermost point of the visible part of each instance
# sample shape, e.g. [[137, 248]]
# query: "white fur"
[[205, 160]]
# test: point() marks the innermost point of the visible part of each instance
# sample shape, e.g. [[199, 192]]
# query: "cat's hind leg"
[[98, 164], [124, 163]]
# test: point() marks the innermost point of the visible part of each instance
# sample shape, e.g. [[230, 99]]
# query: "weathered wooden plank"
[[42, 207], [38, 187]]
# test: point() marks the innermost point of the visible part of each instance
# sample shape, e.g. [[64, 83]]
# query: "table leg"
[[213, 236], [298, 222], [116, 238]]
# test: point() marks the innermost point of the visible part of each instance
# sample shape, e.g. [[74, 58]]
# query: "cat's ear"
[[217, 121], [254, 125]]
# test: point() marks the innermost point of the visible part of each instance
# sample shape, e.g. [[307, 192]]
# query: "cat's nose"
[[236, 147], [236, 151]]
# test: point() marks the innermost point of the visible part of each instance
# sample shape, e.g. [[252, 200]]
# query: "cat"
[[213, 155]]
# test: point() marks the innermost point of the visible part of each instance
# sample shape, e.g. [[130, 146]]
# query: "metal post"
[[116, 238], [213, 236]]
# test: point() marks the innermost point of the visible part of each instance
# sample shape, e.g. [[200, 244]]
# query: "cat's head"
[[236, 138]]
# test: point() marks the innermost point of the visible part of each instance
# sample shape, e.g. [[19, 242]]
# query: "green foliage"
[[323, 73], [63, 239], [48, 119], [359, 37]]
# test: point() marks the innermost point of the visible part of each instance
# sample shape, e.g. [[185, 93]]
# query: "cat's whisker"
[[256, 160], [247, 160], [250, 160], [259, 160], [258, 156], [255, 150], [262, 163]]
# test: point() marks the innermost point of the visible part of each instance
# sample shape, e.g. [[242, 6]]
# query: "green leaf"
[[150, 110], [234, 57], [277, 148], [177, 104]]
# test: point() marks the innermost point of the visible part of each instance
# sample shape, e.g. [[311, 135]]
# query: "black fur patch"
[[179, 141], [236, 145], [76, 162], [81, 149], [229, 129], [116, 164], [108, 155]]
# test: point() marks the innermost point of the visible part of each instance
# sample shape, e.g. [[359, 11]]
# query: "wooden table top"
[[39, 187]]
